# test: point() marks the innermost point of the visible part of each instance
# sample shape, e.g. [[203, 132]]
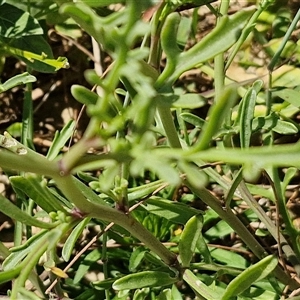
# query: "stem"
[[247, 197], [105, 213], [155, 48], [104, 261], [4, 252], [27, 119], [283, 42], [292, 232], [235, 223], [169, 126], [71, 158], [28, 264], [219, 59], [15, 156]]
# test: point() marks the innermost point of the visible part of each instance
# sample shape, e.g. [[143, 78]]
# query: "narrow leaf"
[[36, 189], [12, 211], [217, 41], [253, 274], [200, 288], [16, 80], [60, 139], [170, 210], [143, 279], [193, 119], [216, 115], [188, 239], [83, 268], [83, 95], [136, 258], [289, 95], [72, 239], [16, 23], [19, 252], [189, 101], [10, 274], [247, 115], [40, 62]]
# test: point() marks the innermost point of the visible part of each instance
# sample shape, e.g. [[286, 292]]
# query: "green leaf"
[[16, 80], [229, 258], [284, 127], [18, 253], [28, 295], [60, 139], [100, 3], [247, 113], [15, 129], [86, 263], [188, 239], [136, 258], [272, 122], [189, 101], [175, 293], [10, 274], [36, 189], [12, 211], [289, 95], [221, 229], [195, 176], [72, 239], [144, 190], [83, 95], [217, 114], [36, 53], [16, 23], [170, 210], [141, 294], [288, 176], [251, 275], [165, 295], [143, 279], [193, 119], [217, 41], [257, 157], [184, 29], [89, 193], [200, 288]]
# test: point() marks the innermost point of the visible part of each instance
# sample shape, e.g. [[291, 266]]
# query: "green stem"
[[169, 126], [155, 48], [32, 258], [71, 158], [28, 264], [235, 223], [105, 213], [284, 41], [4, 252], [292, 232], [15, 156], [27, 120], [18, 230], [247, 197], [246, 31], [104, 260], [219, 59]]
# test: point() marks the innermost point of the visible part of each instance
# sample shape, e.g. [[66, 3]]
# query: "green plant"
[[142, 152]]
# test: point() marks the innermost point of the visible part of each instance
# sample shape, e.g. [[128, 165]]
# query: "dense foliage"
[[183, 183]]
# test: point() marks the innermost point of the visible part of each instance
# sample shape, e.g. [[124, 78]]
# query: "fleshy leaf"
[[143, 279]]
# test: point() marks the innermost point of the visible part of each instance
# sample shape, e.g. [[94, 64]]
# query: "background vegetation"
[[149, 149]]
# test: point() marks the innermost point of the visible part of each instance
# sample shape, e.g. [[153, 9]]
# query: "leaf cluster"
[[147, 160]]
